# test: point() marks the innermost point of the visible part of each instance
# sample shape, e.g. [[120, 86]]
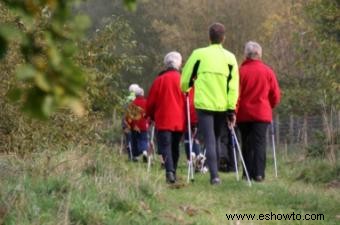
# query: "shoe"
[[215, 181], [259, 179], [145, 159], [170, 177]]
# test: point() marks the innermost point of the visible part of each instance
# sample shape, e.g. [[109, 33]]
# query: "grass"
[[93, 185]]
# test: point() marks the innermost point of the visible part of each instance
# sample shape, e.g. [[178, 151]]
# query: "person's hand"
[[231, 118]]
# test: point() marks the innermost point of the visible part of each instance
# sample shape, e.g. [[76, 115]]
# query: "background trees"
[[300, 40]]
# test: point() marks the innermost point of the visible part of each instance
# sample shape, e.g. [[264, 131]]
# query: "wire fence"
[[305, 132]]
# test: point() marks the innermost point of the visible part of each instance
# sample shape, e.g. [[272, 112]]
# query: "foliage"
[[112, 62], [48, 77]]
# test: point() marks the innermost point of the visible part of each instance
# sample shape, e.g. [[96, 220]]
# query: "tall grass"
[[95, 185]]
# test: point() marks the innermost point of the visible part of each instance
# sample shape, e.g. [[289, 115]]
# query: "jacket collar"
[[167, 70], [247, 61]]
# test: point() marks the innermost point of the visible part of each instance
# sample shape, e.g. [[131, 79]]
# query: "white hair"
[[253, 50], [173, 60], [139, 91], [133, 87]]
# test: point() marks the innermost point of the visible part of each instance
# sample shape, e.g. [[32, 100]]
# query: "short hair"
[[216, 33], [173, 60], [139, 91], [252, 50], [133, 88]]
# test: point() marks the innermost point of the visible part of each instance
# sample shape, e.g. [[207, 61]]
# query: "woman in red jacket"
[[259, 94], [166, 106], [138, 124]]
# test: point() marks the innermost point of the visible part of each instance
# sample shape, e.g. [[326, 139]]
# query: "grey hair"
[[133, 87], [173, 60], [139, 91], [253, 50]]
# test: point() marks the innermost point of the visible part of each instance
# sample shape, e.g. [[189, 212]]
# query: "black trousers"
[[253, 137], [168, 147], [227, 158], [210, 125]]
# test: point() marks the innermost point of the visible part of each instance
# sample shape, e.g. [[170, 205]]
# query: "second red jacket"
[[165, 102], [259, 92], [136, 115]]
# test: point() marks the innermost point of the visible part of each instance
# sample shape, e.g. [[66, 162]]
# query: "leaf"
[[25, 72], [130, 5], [47, 105], [42, 82], [9, 32], [75, 105]]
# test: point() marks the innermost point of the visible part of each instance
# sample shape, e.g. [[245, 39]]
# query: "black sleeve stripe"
[[229, 76], [194, 73]]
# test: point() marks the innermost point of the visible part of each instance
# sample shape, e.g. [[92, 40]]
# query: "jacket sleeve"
[[187, 72], [233, 85], [274, 93], [152, 100]]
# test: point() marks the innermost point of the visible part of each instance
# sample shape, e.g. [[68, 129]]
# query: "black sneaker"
[[145, 159], [170, 177], [215, 181]]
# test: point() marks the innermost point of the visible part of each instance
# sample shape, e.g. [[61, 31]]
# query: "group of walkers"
[[220, 96]]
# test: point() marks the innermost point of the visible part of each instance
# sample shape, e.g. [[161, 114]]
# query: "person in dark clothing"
[[227, 160], [166, 106], [259, 94]]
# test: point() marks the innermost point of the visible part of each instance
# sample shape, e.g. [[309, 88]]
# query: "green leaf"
[[26, 72], [130, 5], [82, 22], [47, 105], [10, 32], [42, 82]]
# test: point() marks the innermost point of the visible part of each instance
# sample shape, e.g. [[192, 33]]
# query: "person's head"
[[133, 88], [216, 33], [173, 60], [139, 91], [253, 50]]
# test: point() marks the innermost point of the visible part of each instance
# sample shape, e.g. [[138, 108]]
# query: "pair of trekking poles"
[[234, 143]]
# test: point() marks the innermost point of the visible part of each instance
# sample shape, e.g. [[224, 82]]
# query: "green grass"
[[96, 186]]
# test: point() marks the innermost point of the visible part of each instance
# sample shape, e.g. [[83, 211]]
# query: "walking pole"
[[152, 147], [130, 150], [273, 144], [240, 153], [190, 166], [235, 158]]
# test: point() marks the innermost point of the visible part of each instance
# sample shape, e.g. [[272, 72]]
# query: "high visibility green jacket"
[[214, 72]]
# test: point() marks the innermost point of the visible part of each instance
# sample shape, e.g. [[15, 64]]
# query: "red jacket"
[[259, 92], [136, 115], [193, 114], [165, 104]]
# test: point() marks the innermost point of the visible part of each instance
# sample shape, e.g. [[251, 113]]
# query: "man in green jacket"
[[214, 73]]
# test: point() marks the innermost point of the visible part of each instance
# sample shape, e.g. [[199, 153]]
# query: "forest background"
[[82, 55]]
